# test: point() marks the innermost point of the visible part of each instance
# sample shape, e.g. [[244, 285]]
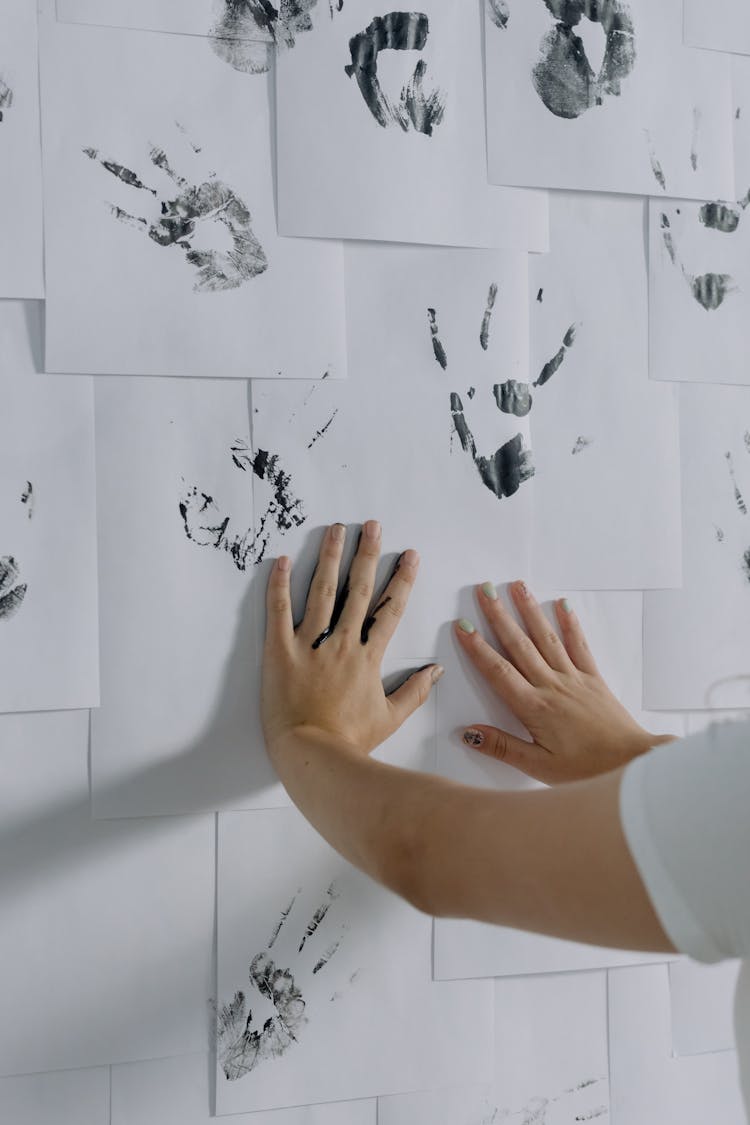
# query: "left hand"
[[323, 678]]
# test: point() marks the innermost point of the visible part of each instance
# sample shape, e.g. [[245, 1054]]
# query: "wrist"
[[301, 743]]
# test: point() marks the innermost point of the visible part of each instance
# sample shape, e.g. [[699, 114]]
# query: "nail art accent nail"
[[522, 590], [338, 531], [473, 737], [466, 626], [489, 591], [566, 606], [437, 673]]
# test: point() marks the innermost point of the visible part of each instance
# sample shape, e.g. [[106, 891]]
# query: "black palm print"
[[711, 289], [209, 203], [396, 31], [6, 97], [245, 1042], [563, 76], [12, 592], [245, 27]]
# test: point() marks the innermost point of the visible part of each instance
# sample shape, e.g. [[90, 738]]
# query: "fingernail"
[[284, 563], [372, 529], [465, 625], [473, 737], [437, 672], [338, 531], [522, 589], [489, 591], [565, 606], [409, 558]]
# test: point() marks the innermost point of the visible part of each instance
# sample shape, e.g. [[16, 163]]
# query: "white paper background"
[[725, 26], [702, 998], [80, 1096]]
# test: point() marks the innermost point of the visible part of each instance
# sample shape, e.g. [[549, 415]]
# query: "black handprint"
[[210, 202], [709, 289], [11, 595], [246, 28]]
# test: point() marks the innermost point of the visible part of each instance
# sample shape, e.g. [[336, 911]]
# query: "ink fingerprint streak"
[[553, 365], [499, 13], [331, 896], [326, 956], [581, 444], [282, 919], [697, 116], [11, 594], [719, 533], [484, 332], [746, 564], [540, 296], [656, 167], [27, 498], [323, 430], [437, 347], [746, 439], [738, 497]]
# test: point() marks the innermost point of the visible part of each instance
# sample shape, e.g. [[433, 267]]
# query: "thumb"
[[524, 756], [414, 692]]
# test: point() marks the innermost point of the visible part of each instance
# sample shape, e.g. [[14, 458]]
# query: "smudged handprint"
[[710, 289], [12, 592], [181, 214], [6, 97]]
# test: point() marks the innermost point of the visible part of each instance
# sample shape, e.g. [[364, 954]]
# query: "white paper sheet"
[[741, 119], [80, 1096], [177, 1092], [612, 623], [134, 289], [647, 1085], [702, 998], [421, 177], [607, 487], [725, 26], [459, 1105], [48, 598], [384, 444], [21, 262], [678, 672], [106, 929], [356, 965], [630, 111]]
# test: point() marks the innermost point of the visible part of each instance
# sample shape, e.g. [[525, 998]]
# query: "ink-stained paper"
[[605, 97], [317, 962], [605, 438], [81, 1096], [612, 623], [106, 929], [724, 26], [161, 246], [647, 1084], [48, 596], [381, 134], [177, 1092], [715, 451], [702, 1000], [21, 261], [416, 437]]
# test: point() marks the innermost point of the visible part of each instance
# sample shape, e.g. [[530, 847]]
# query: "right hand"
[[577, 726]]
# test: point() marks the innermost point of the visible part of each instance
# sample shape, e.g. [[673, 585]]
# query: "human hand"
[[578, 728], [323, 679]]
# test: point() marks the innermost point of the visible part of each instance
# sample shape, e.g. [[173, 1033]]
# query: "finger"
[[539, 629], [383, 619], [279, 623], [517, 644], [506, 680], [322, 594], [494, 743], [414, 692], [574, 638], [361, 579]]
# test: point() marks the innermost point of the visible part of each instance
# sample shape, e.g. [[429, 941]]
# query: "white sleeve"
[[685, 810]]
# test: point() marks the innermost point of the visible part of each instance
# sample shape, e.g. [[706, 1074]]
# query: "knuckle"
[[499, 746], [324, 589], [551, 638], [360, 589], [279, 605], [394, 608]]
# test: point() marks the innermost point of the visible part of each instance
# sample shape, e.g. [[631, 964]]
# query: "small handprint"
[[12, 592], [243, 1041], [192, 207]]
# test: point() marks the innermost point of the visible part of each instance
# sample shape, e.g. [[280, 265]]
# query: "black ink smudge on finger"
[[11, 595], [371, 618], [499, 13], [553, 365], [738, 497], [513, 398], [581, 444], [437, 347], [720, 216], [338, 609], [484, 332], [27, 497]]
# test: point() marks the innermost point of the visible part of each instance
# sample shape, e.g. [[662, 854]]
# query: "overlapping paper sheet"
[[178, 1092], [607, 485], [162, 254], [723, 26], [381, 134], [21, 262], [612, 624], [702, 999], [81, 1096], [106, 929], [188, 17], [415, 437], [48, 599], [356, 965], [605, 98], [696, 650], [647, 1084]]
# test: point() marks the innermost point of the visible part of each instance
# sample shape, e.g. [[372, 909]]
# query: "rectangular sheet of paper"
[[628, 108], [21, 262], [702, 998], [647, 1085], [381, 134], [741, 120], [161, 246], [177, 1092], [355, 962], [80, 1096], [187, 17], [414, 437], [48, 599], [457, 1105], [612, 624], [724, 26], [678, 673], [607, 486], [106, 929]]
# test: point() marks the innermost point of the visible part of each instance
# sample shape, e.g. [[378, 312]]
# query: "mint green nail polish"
[[567, 607], [466, 626], [489, 591]]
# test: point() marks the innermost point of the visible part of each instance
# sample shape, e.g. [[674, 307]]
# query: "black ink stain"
[[318, 916], [235, 37], [282, 919], [338, 609], [6, 97], [484, 332], [656, 167], [437, 347], [697, 115], [540, 296], [371, 618], [746, 564], [11, 595], [581, 444], [509, 466], [513, 398], [738, 497], [499, 13], [27, 498], [746, 439], [563, 77], [719, 533], [553, 365], [720, 216], [326, 956], [396, 31], [323, 430], [709, 289], [471, 392]]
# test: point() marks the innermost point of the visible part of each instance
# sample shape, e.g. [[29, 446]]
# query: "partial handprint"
[[6, 97], [12, 592], [710, 289], [736, 536]]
